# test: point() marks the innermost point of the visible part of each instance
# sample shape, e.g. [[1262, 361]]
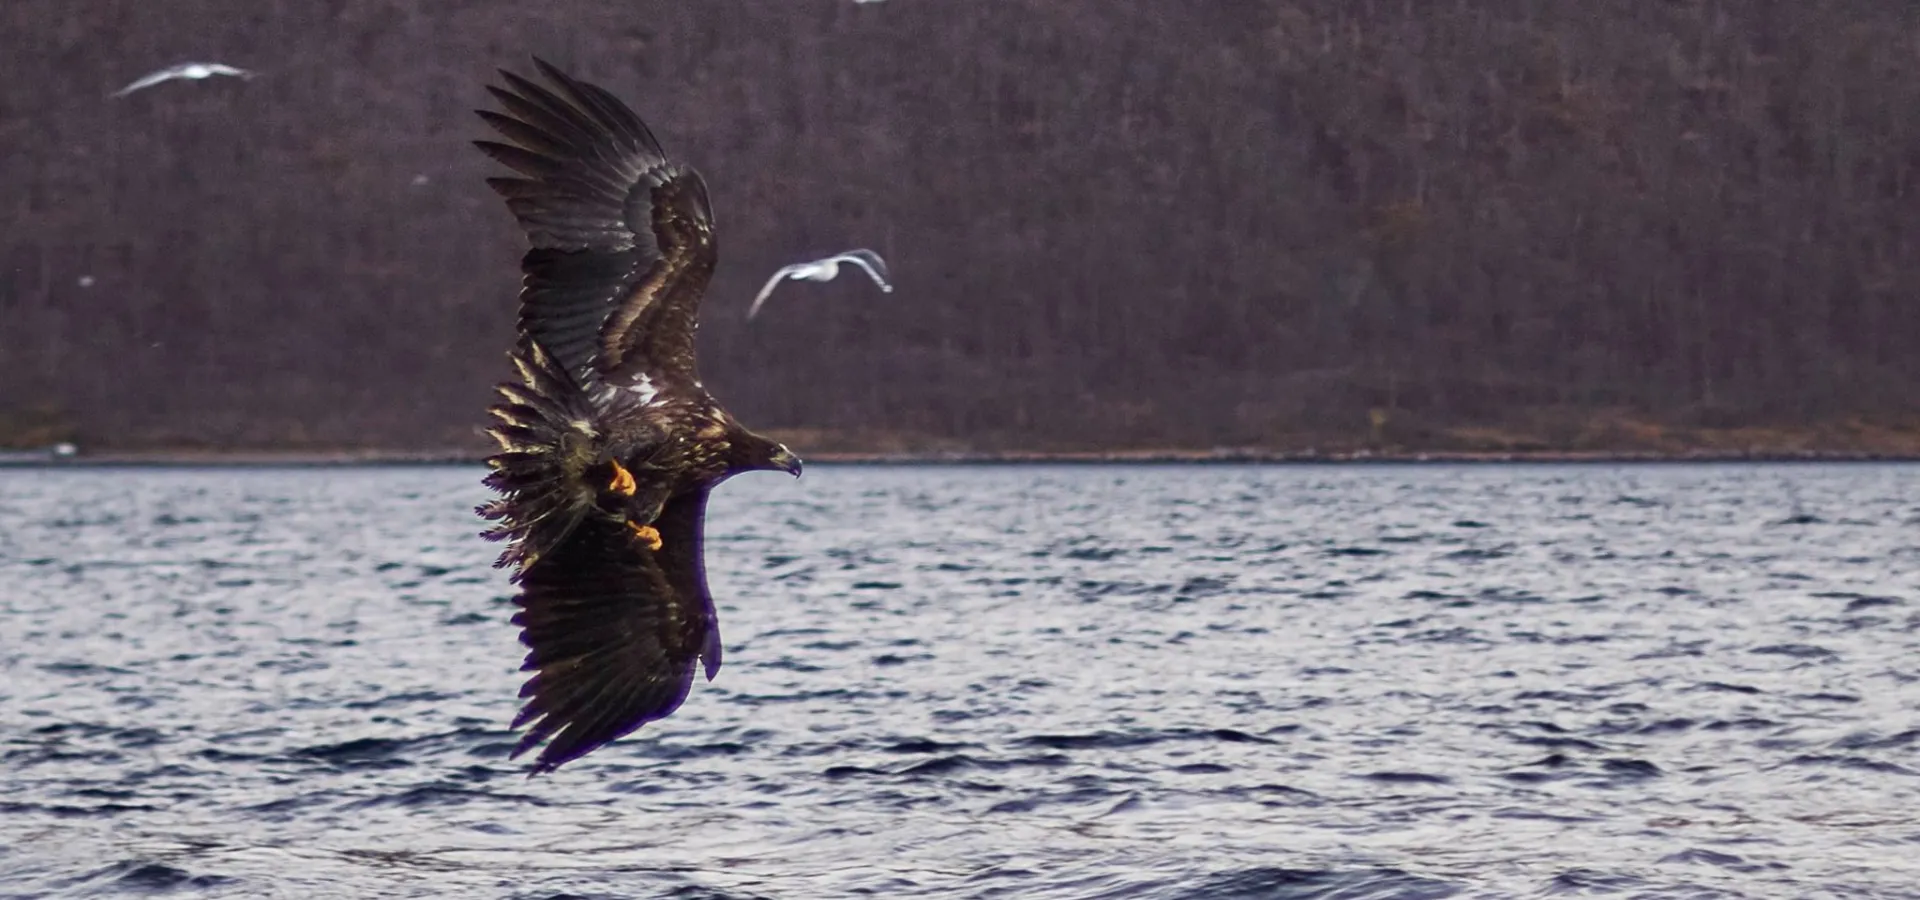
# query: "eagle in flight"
[[608, 442]]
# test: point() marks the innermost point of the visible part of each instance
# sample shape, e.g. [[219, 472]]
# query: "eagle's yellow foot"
[[647, 534], [622, 483]]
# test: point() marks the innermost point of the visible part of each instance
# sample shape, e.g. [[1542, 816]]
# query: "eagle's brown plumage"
[[608, 442]]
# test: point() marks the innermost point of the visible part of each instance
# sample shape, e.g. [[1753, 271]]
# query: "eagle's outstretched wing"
[[613, 631], [622, 237]]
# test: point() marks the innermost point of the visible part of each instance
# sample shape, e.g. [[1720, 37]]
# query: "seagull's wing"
[[614, 631], [149, 80], [224, 69], [766, 291], [622, 237], [870, 261]]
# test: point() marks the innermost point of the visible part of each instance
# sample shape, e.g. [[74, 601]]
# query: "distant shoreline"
[[1242, 456]]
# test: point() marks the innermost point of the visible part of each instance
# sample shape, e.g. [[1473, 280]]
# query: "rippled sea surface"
[[1032, 682]]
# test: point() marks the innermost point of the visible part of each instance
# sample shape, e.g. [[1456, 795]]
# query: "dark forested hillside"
[[1436, 224]]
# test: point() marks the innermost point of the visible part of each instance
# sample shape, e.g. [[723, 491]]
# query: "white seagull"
[[826, 270], [192, 70]]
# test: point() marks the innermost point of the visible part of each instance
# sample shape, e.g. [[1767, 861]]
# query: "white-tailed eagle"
[[608, 442]]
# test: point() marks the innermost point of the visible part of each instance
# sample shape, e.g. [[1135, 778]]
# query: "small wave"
[[1405, 778], [675, 750], [1556, 766], [1641, 502], [1828, 697], [895, 659], [1728, 861], [1509, 812], [1867, 740], [1725, 688], [924, 745], [1666, 726], [57, 753], [1456, 635], [839, 772], [1559, 743], [1587, 882], [146, 876], [393, 700], [1083, 795], [359, 753], [943, 765], [1104, 739], [1091, 591], [440, 794], [1850, 762], [1108, 740], [832, 646], [1508, 595], [789, 664], [1202, 586], [394, 753], [66, 667], [1796, 651], [73, 811], [1202, 769], [1863, 603], [1276, 883], [684, 892], [1630, 768], [282, 810], [1749, 723], [830, 695], [1552, 696]]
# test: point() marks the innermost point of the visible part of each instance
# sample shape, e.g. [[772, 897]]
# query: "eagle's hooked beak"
[[784, 460]]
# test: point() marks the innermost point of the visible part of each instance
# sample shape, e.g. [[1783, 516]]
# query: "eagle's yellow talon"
[[622, 483], [647, 534]]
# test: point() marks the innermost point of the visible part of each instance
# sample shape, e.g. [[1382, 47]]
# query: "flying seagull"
[[609, 444], [826, 270], [194, 71]]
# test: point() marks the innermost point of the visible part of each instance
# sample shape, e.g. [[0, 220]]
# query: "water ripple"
[[989, 682]]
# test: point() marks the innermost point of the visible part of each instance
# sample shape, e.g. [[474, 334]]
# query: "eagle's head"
[[784, 460], [752, 452]]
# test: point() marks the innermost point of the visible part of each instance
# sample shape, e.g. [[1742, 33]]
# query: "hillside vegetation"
[[1435, 225]]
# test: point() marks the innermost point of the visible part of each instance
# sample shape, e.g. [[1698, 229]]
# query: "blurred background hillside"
[[1334, 223]]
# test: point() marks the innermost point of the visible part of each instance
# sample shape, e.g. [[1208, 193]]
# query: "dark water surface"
[[1153, 682]]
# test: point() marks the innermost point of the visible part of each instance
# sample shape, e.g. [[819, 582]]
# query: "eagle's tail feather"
[[544, 426]]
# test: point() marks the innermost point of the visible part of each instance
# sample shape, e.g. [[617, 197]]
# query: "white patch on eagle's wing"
[[643, 387]]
